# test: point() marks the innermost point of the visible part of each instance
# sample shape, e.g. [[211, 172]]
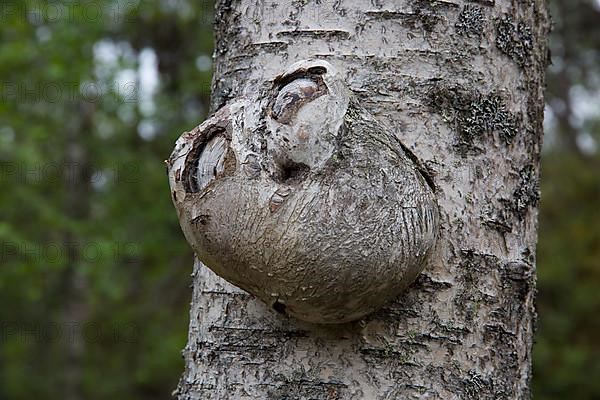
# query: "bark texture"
[[461, 82]]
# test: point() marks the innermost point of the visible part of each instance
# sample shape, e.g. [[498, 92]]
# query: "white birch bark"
[[461, 82]]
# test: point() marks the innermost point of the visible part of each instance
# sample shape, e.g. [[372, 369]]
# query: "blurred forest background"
[[95, 273]]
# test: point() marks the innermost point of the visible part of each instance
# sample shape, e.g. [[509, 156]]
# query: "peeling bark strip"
[[464, 328]]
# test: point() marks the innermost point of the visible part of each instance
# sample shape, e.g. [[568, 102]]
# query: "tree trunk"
[[461, 83], [78, 188]]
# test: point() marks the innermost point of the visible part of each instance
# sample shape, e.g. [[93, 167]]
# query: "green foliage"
[[94, 269], [567, 351]]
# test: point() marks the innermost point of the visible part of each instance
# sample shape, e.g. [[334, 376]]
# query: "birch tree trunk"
[[461, 82]]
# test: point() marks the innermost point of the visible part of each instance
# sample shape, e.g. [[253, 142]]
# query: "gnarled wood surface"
[[334, 219]]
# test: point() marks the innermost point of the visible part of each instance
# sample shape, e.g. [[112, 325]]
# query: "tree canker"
[[342, 218]]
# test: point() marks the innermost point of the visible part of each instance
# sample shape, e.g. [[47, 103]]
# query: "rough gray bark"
[[462, 83]]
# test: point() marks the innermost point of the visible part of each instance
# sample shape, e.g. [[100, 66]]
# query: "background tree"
[[569, 247], [94, 270]]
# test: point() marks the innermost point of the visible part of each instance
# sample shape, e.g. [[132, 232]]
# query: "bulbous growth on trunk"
[[299, 196]]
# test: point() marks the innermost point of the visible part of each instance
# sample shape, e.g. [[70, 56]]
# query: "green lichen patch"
[[474, 116], [426, 12], [524, 196], [518, 277], [515, 40], [527, 192], [470, 21]]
